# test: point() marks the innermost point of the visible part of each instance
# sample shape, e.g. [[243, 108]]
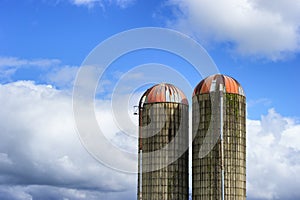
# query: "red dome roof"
[[163, 92], [212, 83]]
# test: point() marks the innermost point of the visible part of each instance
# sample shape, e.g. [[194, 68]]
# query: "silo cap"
[[211, 83], [163, 92]]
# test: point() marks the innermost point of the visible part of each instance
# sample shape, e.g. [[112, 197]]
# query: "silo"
[[219, 145], [163, 144]]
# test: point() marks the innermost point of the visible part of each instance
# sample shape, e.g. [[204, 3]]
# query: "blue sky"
[[65, 31], [43, 44]]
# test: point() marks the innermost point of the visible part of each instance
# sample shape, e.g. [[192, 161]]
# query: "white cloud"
[[50, 71], [261, 101], [48, 192], [62, 76], [92, 3], [89, 3], [123, 3], [250, 27], [17, 62], [41, 155], [10, 65], [291, 139], [273, 157], [39, 146]]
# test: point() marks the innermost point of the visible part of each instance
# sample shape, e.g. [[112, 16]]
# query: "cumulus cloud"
[[40, 153], [273, 157], [41, 156], [259, 28]]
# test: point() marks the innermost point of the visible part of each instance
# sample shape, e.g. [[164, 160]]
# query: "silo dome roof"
[[212, 83], [163, 92]]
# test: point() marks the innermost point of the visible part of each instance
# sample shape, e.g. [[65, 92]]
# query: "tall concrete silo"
[[219, 146], [163, 144]]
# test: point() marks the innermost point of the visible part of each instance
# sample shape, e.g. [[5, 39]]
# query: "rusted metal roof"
[[211, 83], [163, 92]]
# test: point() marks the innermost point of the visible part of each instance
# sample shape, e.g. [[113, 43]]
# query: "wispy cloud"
[[262, 101], [102, 3], [15, 62], [88, 3], [62, 77], [10, 65], [49, 71], [252, 28]]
